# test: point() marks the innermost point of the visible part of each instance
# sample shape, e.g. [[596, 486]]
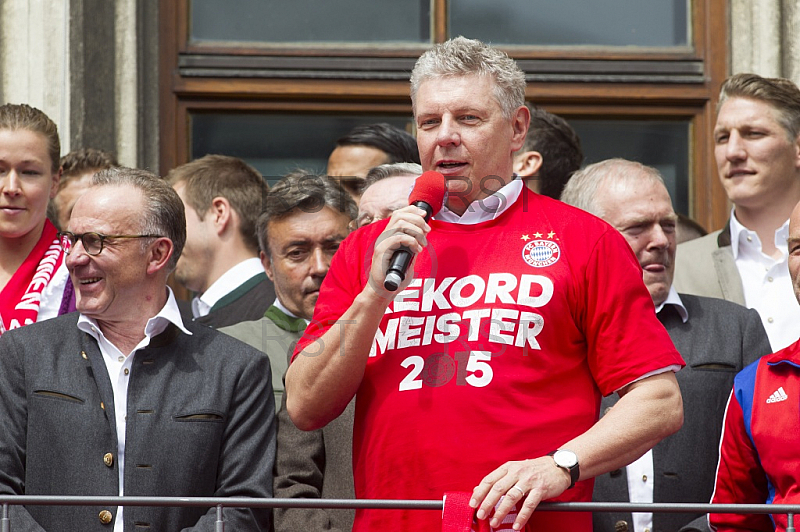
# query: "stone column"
[[764, 38], [92, 66], [34, 58]]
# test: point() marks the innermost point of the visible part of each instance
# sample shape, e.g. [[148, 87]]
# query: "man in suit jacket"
[[223, 197], [124, 398], [305, 219], [716, 338], [757, 149]]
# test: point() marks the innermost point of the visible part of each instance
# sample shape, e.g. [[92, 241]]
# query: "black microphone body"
[[402, 257]]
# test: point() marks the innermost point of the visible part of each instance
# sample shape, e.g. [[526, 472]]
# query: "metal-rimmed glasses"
[[92, 242]]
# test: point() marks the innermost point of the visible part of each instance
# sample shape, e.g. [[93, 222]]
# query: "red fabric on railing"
[[458, 516]]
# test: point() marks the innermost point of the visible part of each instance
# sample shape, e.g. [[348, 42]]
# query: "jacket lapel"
[[730, 281]]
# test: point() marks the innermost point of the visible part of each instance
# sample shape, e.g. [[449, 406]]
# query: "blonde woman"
[[33, 279]]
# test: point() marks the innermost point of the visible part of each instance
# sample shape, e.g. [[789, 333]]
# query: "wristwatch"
[[568, 461]]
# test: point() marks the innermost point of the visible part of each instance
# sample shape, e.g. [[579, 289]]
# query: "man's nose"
[[734, 149], [659, 239], [448, 133], [76, 255], [319, 263]]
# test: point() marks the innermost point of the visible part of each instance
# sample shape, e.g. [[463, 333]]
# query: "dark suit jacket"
[[200, 422], [315, 465], [248, 302], [719, 339]]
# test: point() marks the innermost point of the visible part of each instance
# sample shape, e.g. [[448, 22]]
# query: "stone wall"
[[92, 66], [765, 38]]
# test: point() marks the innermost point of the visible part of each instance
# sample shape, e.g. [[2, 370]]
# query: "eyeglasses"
[[361, 221], [92, 242], [366, 218]]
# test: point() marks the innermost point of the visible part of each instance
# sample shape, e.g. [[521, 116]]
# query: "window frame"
[[581, 82]]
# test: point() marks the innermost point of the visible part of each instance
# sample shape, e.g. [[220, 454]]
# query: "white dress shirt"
[[485, 209], [227, 283], [766, 282], [640, 472], [119, 366]]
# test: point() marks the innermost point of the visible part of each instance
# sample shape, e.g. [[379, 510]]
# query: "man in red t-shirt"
[[484, 370]]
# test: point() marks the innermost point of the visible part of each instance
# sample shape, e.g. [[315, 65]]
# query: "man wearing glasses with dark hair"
[[123, 398]]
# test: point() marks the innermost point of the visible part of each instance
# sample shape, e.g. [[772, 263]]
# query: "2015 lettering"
[[470, 369]]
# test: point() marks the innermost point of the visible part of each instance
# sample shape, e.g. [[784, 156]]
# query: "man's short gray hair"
[[385, 171], [463, 57], [163, 212], [305, 191], [582, 188]]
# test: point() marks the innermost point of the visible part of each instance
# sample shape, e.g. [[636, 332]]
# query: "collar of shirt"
[[485, 209], [747, 242], [286, 311], [675, 300], [169, 313], [227, 282]]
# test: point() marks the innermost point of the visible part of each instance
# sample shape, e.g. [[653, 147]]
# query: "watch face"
[[565, 458]]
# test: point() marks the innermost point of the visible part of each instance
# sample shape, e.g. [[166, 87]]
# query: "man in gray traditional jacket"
[[305, 219], [123, 397]]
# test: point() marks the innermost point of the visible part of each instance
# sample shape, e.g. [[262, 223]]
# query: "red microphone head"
[[431, 188]]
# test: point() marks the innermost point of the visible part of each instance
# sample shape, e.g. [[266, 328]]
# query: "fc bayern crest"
[[541, 253]]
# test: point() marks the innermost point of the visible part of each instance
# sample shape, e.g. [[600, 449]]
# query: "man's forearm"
[[648, 411], [325, 376]]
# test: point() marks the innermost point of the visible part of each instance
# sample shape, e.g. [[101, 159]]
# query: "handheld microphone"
[[428, 194]]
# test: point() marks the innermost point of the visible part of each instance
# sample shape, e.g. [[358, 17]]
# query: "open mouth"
[[90, 280], [450, 165]]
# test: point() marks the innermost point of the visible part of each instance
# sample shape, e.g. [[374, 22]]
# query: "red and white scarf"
[[20, 299]]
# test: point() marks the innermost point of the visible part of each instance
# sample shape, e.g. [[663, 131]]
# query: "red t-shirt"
[[499, 350]]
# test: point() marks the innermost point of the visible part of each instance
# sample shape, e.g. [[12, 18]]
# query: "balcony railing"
[[388, 504]]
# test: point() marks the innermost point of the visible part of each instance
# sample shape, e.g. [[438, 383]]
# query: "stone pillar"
[[92, 66], [764, 38], [34, 58], [791, 32], [91, 76], [147, 95]]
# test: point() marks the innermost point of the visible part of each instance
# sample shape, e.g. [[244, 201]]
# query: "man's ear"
[[527, 164], [267, 263], [160, 252], [222, 213], [797, 152], [519, 125]]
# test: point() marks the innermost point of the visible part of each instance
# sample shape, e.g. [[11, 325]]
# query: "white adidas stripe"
[[778, 396]]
